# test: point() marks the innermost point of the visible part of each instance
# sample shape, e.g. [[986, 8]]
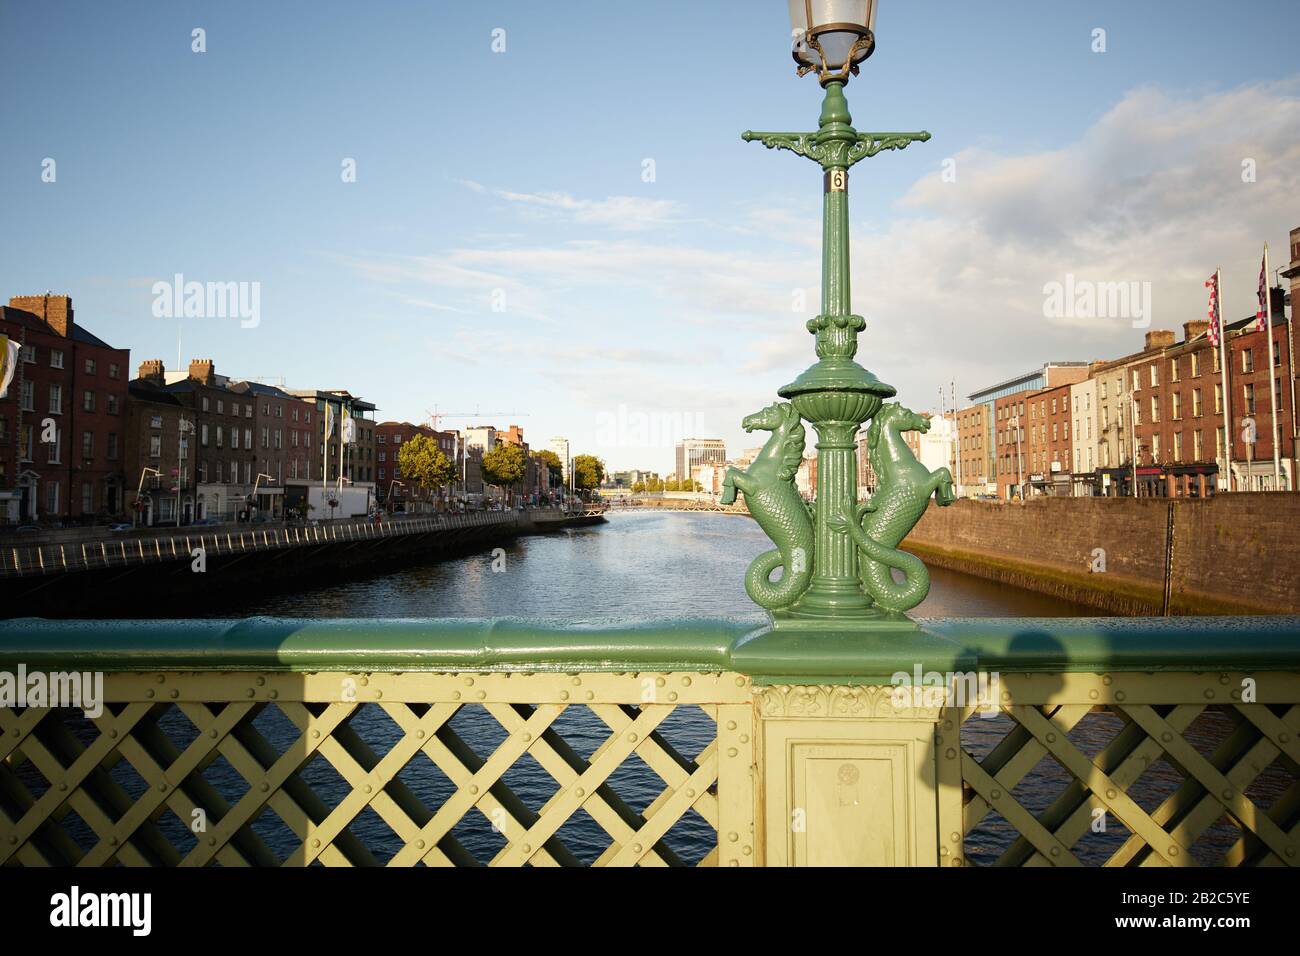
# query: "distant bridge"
[[674, 504]]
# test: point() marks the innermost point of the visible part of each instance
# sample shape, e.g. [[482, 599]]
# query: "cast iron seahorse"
[[774, 502], [904, 490]]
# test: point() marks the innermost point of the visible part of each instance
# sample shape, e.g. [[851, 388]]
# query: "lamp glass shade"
[[836, 25]]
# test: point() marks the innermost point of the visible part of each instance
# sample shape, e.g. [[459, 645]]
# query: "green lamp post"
[[836, 555]]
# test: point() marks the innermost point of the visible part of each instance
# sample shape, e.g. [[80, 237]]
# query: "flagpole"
[[1272, 390], [1223, 371]]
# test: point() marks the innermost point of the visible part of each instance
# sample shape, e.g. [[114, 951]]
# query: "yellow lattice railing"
[[407, 769], [1127, 769], [729, 742]]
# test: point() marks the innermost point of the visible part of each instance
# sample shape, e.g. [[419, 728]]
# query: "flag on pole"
[[349, 427], [9, 352], [1213, 312], [1261, 317], [329, 421]]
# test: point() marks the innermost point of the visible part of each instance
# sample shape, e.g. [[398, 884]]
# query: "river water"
[[636, 565]]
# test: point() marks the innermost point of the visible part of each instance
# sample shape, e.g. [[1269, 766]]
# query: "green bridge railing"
[[713, 742]]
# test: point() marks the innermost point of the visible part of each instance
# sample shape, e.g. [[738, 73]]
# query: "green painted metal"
[[768, 486], [803, 651], [905, 487], [849, 564], [444, 644]]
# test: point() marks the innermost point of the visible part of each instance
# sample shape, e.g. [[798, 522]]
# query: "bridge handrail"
[[744, 644]]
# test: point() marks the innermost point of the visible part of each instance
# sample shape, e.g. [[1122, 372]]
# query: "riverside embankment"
[[1232, 554], [72, 575]]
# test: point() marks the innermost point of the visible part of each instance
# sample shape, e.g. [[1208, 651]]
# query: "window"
[[1178, 446], [248, 411], [1053, 406], [90, 366], [383, 439], [56, 399], [1248, 360], [114, 370], [1136, 383], [1216, 359], [52, 497], [1178, 405], [54, 449], [1155, 409], [87, 497], [88, 401], [1196, 364], [205, 403], [265, 440], [87, 444], [1218, 443], [1277, 352], [56, 358], [155, 446], [112, 404], [112, 446], [295, 418], [293, 439], [220, 436], [279, 411], [221, 406], [203, 434], [266, 408], [27, 395], [1173, 370], [248, 438], [1196, 403], [1218, 397], [277, 439], [1155, 447], [155, 421], [234, 438], [1249, 392], [1155, 375], [383, 456], [1197, 445]]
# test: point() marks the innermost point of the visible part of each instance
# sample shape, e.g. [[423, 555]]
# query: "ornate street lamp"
[[836, 556]]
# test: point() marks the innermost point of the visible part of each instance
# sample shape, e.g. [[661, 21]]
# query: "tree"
[[554, 467], [504, 465], [422, 463], [588, 472]]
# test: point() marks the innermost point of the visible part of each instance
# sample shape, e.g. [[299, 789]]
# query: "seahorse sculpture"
[[901, 497], [774, 502]]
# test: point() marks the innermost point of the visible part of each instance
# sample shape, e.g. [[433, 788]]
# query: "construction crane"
[[436, 416]]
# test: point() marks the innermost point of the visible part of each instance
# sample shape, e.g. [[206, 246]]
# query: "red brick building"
[[389, 438], [1011, 432], [970, 457], [63, 422], [1047, 451]]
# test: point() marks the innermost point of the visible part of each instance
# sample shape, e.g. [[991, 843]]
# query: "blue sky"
[[515, 179]]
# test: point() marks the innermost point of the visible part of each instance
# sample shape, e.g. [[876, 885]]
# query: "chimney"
[[1159, 339], [152, 371], [54, 310], [201, 370], [1194, 328]]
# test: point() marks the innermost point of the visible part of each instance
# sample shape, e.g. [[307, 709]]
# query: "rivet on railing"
[[1107, 679], [564, 695], [1110, 793], [631, 737], [672, 695], [1093, 694], [732, 751], [1209, 693], [1051, 738], [1166, 736], [995, 794], [1120, 695], [1173, 851], [733, 836]]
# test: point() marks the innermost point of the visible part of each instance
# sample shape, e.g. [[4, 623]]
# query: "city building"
[[998, 456], [1047, 451], [1083, 441], [698, 451], [482, 437], [970, 462], [561, 448], [347, 467], [63, 421], [392, 489]]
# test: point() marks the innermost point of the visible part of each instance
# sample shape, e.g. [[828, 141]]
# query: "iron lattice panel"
[[1126, 770], [193, 769]]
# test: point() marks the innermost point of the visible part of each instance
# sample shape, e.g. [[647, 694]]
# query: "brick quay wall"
[[1233, 554]]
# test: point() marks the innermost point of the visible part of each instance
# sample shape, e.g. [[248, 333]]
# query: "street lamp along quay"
[[837, 557]]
